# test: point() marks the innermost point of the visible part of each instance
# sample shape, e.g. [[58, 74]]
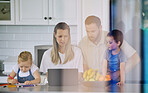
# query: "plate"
[[95, 83]]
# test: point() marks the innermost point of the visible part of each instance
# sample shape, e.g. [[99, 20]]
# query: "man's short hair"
[[93, 19]]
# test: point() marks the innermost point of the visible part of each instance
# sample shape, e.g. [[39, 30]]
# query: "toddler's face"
[[111, 44], [25, 66]]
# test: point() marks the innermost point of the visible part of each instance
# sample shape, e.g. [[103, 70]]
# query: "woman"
[[62, 54]]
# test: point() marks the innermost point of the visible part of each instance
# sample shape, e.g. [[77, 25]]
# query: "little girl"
[[25, 70], [114, 59]]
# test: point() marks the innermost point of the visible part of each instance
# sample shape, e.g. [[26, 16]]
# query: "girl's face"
[[62, 37], [111, 44], [25, 66]]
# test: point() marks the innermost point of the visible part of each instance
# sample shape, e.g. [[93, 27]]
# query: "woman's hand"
[[27, 82]]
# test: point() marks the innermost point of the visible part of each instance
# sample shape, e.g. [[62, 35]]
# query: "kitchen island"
[[80, 88]]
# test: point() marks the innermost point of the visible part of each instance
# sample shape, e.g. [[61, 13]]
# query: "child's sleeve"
[[123, 58], [15, 68], [106, 54], [34, 68]]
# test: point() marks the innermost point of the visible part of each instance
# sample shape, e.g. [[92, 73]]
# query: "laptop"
[[62, 77]]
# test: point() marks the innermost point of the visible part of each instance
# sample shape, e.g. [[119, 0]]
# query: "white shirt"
[[24, 74], [76, 62]]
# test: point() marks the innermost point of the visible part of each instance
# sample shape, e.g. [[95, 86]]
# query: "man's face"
[[93, 32]]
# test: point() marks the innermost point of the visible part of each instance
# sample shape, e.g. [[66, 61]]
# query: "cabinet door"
[[63, 10], [33, 12], [6, 12], [98, 8]]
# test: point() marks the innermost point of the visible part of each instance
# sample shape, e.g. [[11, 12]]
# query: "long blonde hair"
[[69, 54]]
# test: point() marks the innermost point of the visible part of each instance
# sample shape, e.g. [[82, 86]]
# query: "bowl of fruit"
[[92, 78]]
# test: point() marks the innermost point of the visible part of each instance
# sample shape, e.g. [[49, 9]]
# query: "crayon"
[[29, 85], [12, 78], [26, 85], [4, 84], [10, 86]]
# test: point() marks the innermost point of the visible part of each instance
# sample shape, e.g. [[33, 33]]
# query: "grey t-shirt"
[[114, 60]]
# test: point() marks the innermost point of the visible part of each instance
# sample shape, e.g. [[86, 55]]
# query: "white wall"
[[15, 39], [98, 8]]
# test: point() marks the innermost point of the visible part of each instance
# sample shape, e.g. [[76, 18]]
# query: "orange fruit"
[[108, 76], [101, 78]]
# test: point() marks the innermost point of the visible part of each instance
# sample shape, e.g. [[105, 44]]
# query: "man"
[[93, 46]]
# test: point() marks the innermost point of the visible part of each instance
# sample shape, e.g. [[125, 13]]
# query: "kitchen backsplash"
[[14, 39]]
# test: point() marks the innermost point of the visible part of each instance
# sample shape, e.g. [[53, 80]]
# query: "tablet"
[[62, 77]]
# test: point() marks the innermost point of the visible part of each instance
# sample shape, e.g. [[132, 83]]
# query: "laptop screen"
[[62, 77]]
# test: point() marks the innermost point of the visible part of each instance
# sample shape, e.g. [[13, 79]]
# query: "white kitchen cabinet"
[[47, 12], [99, 8], [6, 12]]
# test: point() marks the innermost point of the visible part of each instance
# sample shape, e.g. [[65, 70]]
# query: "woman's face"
[[62, 37]]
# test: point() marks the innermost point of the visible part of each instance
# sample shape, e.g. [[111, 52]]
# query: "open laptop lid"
[[62, 77]]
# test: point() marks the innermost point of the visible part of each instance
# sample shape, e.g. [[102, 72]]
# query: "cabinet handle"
[[45, 18], [50, 18]]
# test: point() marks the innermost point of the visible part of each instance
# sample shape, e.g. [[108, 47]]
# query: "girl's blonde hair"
[[69, 54], [24, 56]]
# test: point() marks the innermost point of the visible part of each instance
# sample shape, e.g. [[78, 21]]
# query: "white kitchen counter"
[[130, 88]]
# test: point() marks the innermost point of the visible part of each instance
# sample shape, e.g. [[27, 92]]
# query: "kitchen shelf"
[[4, 1]]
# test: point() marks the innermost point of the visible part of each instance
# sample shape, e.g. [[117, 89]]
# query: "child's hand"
[[14, 81], [28, 82], [120, 83]]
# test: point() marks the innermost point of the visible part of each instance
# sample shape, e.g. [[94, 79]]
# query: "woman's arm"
[[80, 76], [122, 73], [12, 74], [85, 67], [104, 68], [47, 75]]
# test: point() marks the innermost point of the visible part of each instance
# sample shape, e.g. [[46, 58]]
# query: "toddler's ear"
[[118, 43]]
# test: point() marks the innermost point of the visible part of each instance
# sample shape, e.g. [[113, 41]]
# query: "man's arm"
[[81, 46], [104, 69], [132, 57], [132, 62], [85, 67]]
